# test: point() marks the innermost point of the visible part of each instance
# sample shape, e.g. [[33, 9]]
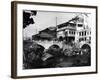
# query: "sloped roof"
[[47, 33], [71, 21]]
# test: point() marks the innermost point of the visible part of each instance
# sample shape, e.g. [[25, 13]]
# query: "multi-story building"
[[76, 29], [67, 32]]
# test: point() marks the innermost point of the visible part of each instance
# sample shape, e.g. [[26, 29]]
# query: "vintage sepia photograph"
[[56, 39]]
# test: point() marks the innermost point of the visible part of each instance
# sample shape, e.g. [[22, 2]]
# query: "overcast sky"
[[44, 19]]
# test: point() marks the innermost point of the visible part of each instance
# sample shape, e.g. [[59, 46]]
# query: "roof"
[[48, 33], [72, 22]]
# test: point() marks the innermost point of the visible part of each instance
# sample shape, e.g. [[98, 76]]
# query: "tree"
[[26, 18]]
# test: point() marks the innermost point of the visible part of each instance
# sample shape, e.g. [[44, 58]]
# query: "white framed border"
[[51, 71]]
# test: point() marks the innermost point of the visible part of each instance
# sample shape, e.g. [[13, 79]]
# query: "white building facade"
[[76, 30]]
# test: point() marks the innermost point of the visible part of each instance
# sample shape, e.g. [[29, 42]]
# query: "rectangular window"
[[82, 33], [80, 25], [85, 33], [79, 33]]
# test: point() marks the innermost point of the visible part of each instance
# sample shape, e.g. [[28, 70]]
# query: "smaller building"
[[46, 34]]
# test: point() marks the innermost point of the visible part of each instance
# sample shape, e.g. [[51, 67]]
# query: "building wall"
[[84, 34]]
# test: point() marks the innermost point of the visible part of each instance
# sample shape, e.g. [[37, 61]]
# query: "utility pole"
[[56, 26], [56, 21]]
